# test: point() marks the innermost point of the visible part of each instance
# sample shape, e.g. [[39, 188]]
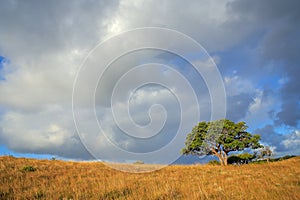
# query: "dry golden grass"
[[76, 180]]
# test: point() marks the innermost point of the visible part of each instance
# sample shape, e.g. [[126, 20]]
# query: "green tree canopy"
[[219, 138]]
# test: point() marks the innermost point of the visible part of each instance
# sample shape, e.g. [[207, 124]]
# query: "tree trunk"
[[219, 155], [221, 160], [225, 159]]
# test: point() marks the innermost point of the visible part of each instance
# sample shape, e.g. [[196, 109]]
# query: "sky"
[[57, 99]]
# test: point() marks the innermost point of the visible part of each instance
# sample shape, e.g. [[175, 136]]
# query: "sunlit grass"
[[82, 180]]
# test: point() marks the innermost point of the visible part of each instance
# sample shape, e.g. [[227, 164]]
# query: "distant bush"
[[68, 197], [238, 159], [274, 159], [28, 169], [39, 195], [11, 156], [259, 162], [4, 195], [285, 157], [213, 162], [138, 162]]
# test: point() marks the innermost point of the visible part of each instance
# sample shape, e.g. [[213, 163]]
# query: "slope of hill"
[[43, 179]]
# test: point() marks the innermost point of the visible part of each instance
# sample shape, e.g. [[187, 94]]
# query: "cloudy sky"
[[45, 59]]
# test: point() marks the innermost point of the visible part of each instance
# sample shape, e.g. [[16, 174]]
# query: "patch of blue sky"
[[254, 124], [3, 60], [4, 151], [270, 82], [284, 129]]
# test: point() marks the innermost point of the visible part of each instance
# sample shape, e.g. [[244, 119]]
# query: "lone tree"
[[219, 138], [266, 152]]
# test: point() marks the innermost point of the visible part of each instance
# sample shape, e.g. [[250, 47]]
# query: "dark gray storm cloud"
[[279, 46], [238, 106]]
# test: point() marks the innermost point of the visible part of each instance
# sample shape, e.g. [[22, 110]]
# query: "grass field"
[[22, 178]]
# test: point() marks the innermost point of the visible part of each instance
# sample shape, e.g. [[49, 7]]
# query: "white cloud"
[[293, 141], [47, 131], [236, 85], [259, 113]]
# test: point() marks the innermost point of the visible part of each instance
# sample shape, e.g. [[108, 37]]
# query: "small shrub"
[[39, 195], [68, 197], [4, 195], [259, 162], [29, 169], [214, 162], [138, 162]]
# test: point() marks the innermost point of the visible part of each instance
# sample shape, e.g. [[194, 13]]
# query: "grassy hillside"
[[44, 179]]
